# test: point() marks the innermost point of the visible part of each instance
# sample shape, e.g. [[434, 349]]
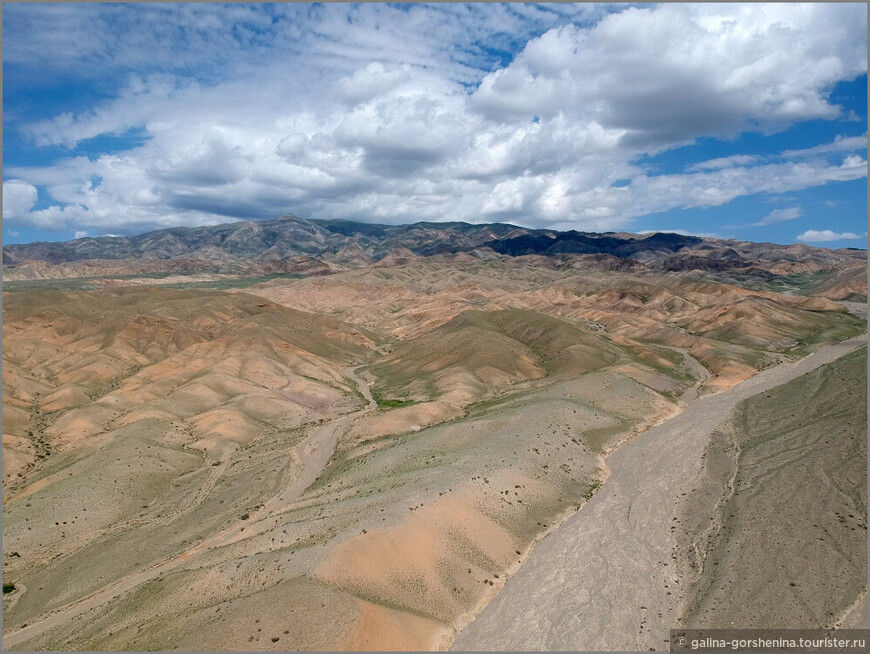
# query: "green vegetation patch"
[[390, 403]]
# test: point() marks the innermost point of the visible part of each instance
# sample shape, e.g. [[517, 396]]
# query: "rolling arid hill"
[[320, 435]]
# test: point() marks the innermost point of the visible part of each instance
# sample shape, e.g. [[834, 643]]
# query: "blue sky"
[[740, 121]]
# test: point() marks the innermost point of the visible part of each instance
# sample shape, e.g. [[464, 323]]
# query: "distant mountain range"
[[290, 236], [292, 244]]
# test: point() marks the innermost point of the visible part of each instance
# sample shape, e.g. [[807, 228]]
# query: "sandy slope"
[[605, 580], [312, 454]]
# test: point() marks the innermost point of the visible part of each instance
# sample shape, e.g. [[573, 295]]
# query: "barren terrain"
[[219, 448]]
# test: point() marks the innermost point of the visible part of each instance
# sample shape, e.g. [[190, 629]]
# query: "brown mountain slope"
[[672, 309], [76, 364], [478, 353]]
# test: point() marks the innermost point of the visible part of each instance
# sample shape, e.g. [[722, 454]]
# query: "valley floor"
[[613, 576]]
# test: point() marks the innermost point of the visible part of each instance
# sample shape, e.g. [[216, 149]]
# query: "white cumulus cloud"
[[780, 215], [825, 236], [18, 198]]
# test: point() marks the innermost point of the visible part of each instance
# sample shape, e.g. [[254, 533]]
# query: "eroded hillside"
[[213, 469]]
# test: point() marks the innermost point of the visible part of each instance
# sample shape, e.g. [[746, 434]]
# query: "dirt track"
[[311, 456], [605, 579]]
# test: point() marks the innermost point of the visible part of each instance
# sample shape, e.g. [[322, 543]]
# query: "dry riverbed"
[[609, 578]]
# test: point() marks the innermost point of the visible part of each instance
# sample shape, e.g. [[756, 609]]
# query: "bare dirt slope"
[[310, 455], [607, 579]]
